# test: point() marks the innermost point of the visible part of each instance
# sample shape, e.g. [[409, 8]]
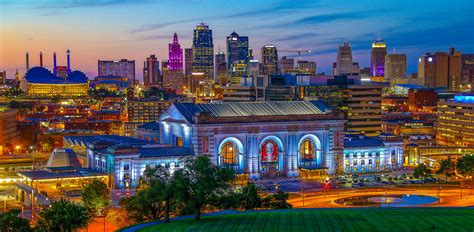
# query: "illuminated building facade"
[[122, 68], [377, 61], [395, 67], [125, 158], [203, 50], [259, 139], [455, 124], [372, 154], [269, 55], [237, 56], [175, 55], [141, 111], [40, 82]]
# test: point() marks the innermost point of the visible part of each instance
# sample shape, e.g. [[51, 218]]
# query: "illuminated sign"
[[430, 59]]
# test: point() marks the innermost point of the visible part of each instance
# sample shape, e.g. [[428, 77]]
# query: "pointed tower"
[[175, 55]]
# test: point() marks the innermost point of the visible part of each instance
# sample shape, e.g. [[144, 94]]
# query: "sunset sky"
[[134, 29]]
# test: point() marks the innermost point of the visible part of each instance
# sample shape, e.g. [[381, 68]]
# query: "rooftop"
[[153, 152], [253, 109], [150, 126], [60, 172]]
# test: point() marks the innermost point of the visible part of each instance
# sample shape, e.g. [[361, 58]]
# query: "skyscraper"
[[344, 63], [188, 61], [454, 70], [307, 66], [221, 68], [377, 61], [151, 71], [269, 56], [203, 50], [237, 55], [467, 69], [441, 69], [287, 65], [395, 66], [121, 68], [175, 55]]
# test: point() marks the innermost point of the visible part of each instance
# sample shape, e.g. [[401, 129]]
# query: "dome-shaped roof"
[[43, 75], [77, 77]]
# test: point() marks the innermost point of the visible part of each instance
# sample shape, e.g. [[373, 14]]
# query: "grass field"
[[368, 219]]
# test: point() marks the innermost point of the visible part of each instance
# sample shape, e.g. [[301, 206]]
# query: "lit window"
[[229, 153], [307, 150]]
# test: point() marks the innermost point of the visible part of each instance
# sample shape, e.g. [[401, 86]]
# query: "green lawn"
[[367, 219]]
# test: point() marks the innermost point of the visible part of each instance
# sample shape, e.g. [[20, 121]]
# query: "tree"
[[421, 171], [63, 216], [119, 217], [465, 166], [96, 197], [162, 180], [279, 200], [447, 168], [201, 183], [9, 222], [249, 198]]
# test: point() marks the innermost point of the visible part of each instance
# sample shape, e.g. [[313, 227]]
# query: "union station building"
[[259, 139]]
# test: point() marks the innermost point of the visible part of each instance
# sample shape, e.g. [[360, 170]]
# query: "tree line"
[[198, 187]]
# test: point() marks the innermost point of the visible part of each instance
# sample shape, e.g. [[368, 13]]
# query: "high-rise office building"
[[121, 68], [237, 56], [188, 61], [454, 70], [9, 133], [203, 50], [175, 55], [395, 67], [467, 69], [344, 64], [363, 108], [441, 69], [307, 67], [455, 120], [254, 68], [151, 71], [221, 68], [287, 65], [250, 54], [172, 78], [269, 55], [3, 77], [377, 60]]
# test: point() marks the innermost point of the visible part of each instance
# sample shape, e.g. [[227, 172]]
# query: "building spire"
[[175, 38]]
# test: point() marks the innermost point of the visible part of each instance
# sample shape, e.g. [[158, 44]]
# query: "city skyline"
[[105, 30]]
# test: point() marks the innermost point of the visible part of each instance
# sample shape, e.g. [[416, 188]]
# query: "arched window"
[[307, 150], [229, 153]]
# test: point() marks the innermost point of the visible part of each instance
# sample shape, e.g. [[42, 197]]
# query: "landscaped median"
[[353, 219]]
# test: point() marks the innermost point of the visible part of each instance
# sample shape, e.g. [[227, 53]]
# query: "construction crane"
[[299, 51]]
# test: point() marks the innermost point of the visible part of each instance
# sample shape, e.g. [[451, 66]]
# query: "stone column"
[[292, 154], [252, 153]]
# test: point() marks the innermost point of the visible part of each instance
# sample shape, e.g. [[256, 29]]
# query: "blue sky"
[[134, 29]]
